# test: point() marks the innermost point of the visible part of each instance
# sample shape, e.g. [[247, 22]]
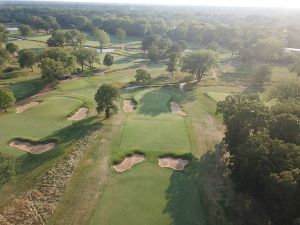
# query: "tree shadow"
[[253, 88], [157, 102], [65, 138], [185, 201]]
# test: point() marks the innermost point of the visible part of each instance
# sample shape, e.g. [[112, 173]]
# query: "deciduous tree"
[[105, 97], [6, 98]]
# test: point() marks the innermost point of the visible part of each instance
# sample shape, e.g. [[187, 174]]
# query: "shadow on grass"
[[185, 200], [65, 138], [157, 101]]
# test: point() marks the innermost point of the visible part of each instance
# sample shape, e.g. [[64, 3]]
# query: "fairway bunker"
[[128, 106], [79, 115], [175, 164], [175, 107], [129, 162], [31, 147], [26, 107]]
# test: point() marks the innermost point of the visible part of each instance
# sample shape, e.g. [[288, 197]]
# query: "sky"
[[239, 3]]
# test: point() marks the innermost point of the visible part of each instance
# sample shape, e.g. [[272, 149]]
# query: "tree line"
[[264, 149]]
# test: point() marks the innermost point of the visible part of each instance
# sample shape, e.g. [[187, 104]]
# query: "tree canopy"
[[6, 98], [105, 97], [199, 62]]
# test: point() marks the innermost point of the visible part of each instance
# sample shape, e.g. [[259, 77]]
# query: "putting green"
[[152, 127], [38, 122], [148, 194]]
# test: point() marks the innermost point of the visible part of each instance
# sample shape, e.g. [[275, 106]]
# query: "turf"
[[216, 96], [149, 195], [152, 127], [36, 123]]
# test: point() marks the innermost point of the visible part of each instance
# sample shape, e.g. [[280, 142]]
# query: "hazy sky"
[[251, 3]]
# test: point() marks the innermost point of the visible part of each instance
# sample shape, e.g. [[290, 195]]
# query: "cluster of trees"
[[264, 150]]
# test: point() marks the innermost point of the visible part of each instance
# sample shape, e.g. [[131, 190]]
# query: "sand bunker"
[[79, 115], [129, 162], [32, 148], [128, 106], [175, 107], [26, 107], [175, 164]]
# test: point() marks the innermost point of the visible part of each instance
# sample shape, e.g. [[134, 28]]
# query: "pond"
[[104, 50], [12, 28], [292, 49]]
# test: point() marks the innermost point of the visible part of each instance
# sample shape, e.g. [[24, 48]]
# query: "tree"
[[74, 38], [171, 66], [12, 48], [142, 76], [53, 24], [149, 41], [262, 75], [93, 57], [199, 62], [25, 30], [108, 60], [103, 38], [6, 98], [287, 89], [243, 115], [27, 58], [60, 55], [154, 53], [286, 127], [105, 97], [295, 66], [86, 55], [57, 39], [3, 34], [53, 70], [3, 37], [4, 57], [121, 34]]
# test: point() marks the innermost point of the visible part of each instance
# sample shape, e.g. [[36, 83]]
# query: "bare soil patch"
[[175, 107], [32, 148], [128, 106], [26, 107], [129, 162], [175, 164], [79, 115]]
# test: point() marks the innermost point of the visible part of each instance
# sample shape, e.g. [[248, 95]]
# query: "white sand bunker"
[[128, 106], [175, 164], [26, 107], [79, 115], [175, 107], [129, 162], [32, 148]]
